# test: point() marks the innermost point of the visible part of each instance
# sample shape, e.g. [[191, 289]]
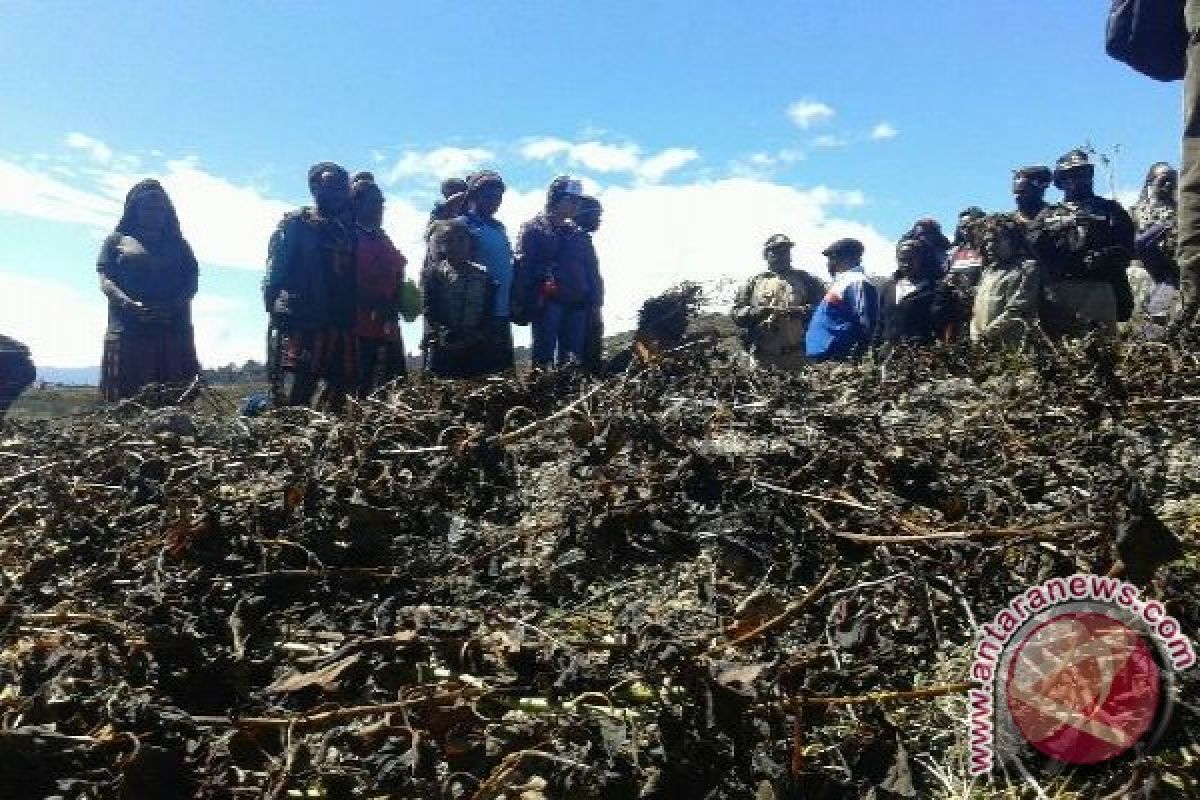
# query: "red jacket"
[[379, 273]]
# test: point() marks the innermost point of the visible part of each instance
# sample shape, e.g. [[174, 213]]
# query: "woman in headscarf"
[[379, 279], [1154, 273], [149, 274]]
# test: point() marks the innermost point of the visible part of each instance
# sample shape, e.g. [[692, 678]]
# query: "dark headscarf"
[[127, 225], [364, 185], [1144, 197], [1038, 174], [1073, 160], [482, 178], [315, 171], [589, 205], [561, 186], [453, 186]]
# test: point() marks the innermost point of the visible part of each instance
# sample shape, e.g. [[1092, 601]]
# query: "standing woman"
[[1154, 272], [379, 276], [149, 274]]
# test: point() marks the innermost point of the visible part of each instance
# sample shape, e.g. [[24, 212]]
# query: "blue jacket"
[[844, 322], [491, 248]]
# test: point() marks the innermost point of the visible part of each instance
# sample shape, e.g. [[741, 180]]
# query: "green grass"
[[54, 402], [62, 402]]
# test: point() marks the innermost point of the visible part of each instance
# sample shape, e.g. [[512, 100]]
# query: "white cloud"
[[726, 223], [762, 164], [226, 224], [806, 113], [70, 336], [828, 141], [884, 130], [221, 329], [439, 163], [607, 158], [544, 148], [656, 167], [96, 149], [33, 194]]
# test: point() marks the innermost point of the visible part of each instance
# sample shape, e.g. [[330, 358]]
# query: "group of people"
[[1060, 269], [476, 283], [336, 288], [334, 291], [335, 284]]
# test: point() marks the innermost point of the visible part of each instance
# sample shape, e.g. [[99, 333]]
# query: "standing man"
[[1085, 244], [588, 220], [551, 287], [491, 248], [1029, 185], [773, 309], [1188, 254], [844, 322], [16, 372], [308, 292]]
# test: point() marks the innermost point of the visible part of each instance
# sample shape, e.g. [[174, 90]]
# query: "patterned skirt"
[[328, 354], [134, 360]]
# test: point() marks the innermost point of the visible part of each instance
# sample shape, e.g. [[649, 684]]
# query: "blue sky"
[[703, 127]]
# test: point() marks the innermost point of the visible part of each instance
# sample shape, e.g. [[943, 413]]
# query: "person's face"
[[486, 199], [331, 192], [455, 203], [835, 263], [1075, 182], [589, 220], [1025, 187], [150, 212], [368, 209], [967, 231], [779, 257], [1163, 184], [999, 247], [565, 206]]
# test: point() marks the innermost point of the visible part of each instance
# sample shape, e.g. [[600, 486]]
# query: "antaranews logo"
[[1080, 669]]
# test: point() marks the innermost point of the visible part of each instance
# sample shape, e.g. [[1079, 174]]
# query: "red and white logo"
[[1080, 669], [1082, 687]]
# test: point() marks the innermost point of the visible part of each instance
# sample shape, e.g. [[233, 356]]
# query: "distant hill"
[[70, 376]]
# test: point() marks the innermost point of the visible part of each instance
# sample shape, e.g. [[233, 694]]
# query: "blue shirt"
[[845, 319], [493, 250]]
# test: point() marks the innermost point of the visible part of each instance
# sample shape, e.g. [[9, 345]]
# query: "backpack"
[[1150, 36], [524, 296]]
